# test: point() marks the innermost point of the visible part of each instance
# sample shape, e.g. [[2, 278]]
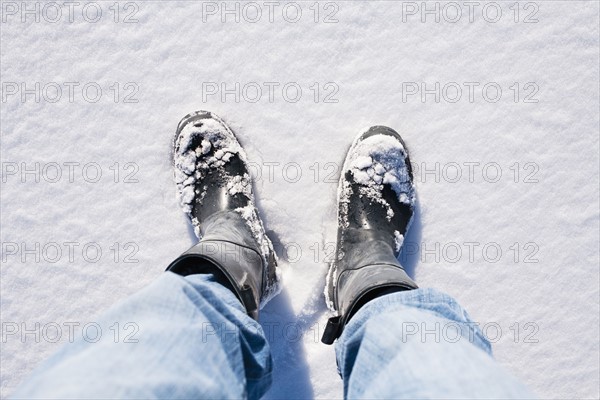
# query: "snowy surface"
[[370, 60]]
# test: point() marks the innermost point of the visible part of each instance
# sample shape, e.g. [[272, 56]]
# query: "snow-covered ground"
[[517, 88]]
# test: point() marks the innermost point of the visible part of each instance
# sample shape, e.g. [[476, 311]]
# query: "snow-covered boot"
[[215, 190], [376, 199]]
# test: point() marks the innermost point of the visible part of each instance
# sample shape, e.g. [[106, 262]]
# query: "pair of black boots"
[[376, 200]]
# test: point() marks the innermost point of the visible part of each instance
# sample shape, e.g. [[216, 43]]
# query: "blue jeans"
[[194, 340]]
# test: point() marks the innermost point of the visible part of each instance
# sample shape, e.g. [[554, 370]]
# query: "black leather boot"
[[376, 198], [215, 190]]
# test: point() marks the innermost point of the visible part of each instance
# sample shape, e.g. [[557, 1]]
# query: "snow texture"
[[374, 162], [542, 212]]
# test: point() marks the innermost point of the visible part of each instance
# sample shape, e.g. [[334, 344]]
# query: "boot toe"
[[382, 130], [193, 117]]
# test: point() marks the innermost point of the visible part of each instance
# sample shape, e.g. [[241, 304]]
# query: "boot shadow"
[[286, 333], [409, 255]]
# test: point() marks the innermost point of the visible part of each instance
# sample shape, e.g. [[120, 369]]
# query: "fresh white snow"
[[507, 215]]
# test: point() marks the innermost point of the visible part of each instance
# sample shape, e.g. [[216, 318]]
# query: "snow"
[[541, 212], [374, 162], [398, 240]]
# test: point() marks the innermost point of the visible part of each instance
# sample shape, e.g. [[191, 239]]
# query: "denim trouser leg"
[[194, 341], [419, 344]]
